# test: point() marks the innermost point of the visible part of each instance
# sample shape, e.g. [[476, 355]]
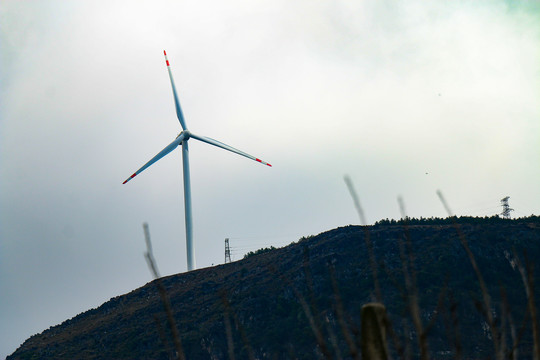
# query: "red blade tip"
[[166, 60], [262, 162], [129, 178]]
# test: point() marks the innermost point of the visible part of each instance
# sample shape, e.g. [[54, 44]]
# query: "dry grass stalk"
[[239, 326], [149, 256], [228, 328], [526, 273], [505, 319], [163, 336], [456, 335], [353, 349], [485, 294], [309, 281], [317, 331], [367, 239], [401, 351], [409, 273], [334, 341]]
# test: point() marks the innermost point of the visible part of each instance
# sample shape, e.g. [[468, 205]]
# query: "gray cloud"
[[385, 92]]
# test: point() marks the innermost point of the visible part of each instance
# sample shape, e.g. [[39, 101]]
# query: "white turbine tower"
[[182, 139]]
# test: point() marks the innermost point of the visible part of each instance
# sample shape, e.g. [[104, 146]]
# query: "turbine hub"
[[186, 133]]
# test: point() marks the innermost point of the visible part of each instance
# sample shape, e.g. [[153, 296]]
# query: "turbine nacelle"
[[186, 135]]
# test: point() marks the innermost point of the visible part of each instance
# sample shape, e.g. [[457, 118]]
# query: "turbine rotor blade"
[[227, 147], [179, 113], [161, 154]]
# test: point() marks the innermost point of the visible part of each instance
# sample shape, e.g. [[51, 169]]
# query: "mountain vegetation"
[[452, 288]]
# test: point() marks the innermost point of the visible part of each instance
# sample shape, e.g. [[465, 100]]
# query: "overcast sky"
[[405, 97]]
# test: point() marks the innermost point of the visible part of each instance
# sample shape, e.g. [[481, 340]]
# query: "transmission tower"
[[227, 251], [506, 208]]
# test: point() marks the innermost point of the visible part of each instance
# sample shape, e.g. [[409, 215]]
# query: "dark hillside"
[[262, 295]]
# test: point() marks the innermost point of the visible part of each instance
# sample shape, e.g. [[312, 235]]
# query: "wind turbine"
[[182, 139]]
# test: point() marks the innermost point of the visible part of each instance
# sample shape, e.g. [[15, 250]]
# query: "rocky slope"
[[267, 298]]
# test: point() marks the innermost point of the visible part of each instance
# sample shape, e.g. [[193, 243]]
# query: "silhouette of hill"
[[267, 297]]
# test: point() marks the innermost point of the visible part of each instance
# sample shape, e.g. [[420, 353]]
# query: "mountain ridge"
[[262, 295]]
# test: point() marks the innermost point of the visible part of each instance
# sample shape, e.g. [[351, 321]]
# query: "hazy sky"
[[405, 97]]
